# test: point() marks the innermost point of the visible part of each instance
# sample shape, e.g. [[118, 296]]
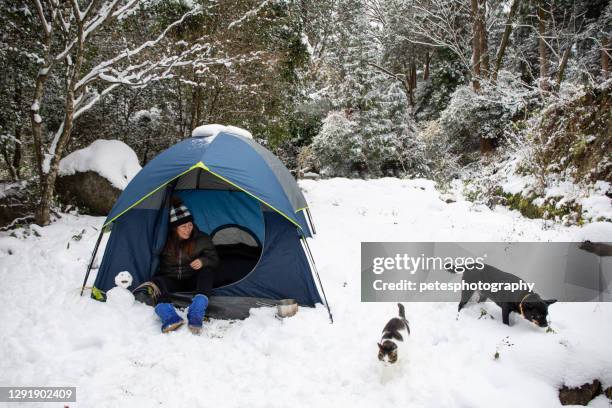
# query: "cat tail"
[[402, 312]]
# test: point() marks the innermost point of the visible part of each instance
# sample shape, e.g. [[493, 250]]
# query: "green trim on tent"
[[202, 166], [195, 166]]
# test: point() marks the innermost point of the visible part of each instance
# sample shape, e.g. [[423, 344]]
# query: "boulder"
[[87, 190], [17, 203], [448, 198], [93, 178], [579, 395], [311, 176]]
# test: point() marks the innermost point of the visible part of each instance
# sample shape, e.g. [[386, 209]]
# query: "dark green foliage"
[[433, 96], [578, 136]]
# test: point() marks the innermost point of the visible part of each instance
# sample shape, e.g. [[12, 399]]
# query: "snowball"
[[213, 129], [112, 159]]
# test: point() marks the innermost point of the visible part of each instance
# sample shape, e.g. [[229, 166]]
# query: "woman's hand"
[[196, 264]]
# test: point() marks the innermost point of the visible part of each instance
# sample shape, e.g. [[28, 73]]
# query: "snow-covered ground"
[[116, 357]]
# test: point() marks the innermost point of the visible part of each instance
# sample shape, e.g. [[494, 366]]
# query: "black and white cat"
[[394, 335]]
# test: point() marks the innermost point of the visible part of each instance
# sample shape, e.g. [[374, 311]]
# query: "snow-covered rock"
[[93, 178], [17, 202], [309, 175], [112, 159]]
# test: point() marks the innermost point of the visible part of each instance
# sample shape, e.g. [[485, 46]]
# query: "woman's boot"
[[195, 314], [170, 319]]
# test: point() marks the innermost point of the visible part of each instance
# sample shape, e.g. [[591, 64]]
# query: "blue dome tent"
[[241, 195]]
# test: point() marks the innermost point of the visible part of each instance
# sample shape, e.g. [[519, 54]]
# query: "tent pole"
[[309, 223], [314, 266], [314, 231], [93, 257]]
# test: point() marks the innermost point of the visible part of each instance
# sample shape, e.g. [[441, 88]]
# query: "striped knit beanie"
[[179, 215]]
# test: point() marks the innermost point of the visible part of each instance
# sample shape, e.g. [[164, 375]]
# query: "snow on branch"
[[87, 27], [437, 24], [128, 8], [41, 17], [110, 71], [105, 66], [248, 14]]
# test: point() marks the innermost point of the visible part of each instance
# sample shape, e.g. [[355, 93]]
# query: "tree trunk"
[[408, 87], [199, 107], [542, 49], [17, 153], [505, 38], [213, 104], [35, 119], [195, 107], [13, 163], [484, 43], [48, 185], [16, 164], [426, 69], [486, 145], [410, 82], [605, 58], [7, 159], [563, 64], [475, 47], [145, 153], [42, 216]]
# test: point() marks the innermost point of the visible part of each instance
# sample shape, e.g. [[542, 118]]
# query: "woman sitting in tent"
[[187, 262]]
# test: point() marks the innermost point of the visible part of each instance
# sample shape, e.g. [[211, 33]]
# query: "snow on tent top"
[[228, 158], [112, 159], [213, 129]]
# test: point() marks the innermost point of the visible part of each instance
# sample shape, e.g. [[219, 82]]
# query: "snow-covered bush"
[[338, 146], [433, 96], [556, 163], [469, 117], [363, 145], [487, 114], [574, 134], [377, 139], [439, 154]]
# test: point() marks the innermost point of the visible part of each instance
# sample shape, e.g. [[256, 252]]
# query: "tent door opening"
[[233, 219]]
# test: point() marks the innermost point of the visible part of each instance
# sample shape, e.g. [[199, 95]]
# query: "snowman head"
[[123, 279]]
